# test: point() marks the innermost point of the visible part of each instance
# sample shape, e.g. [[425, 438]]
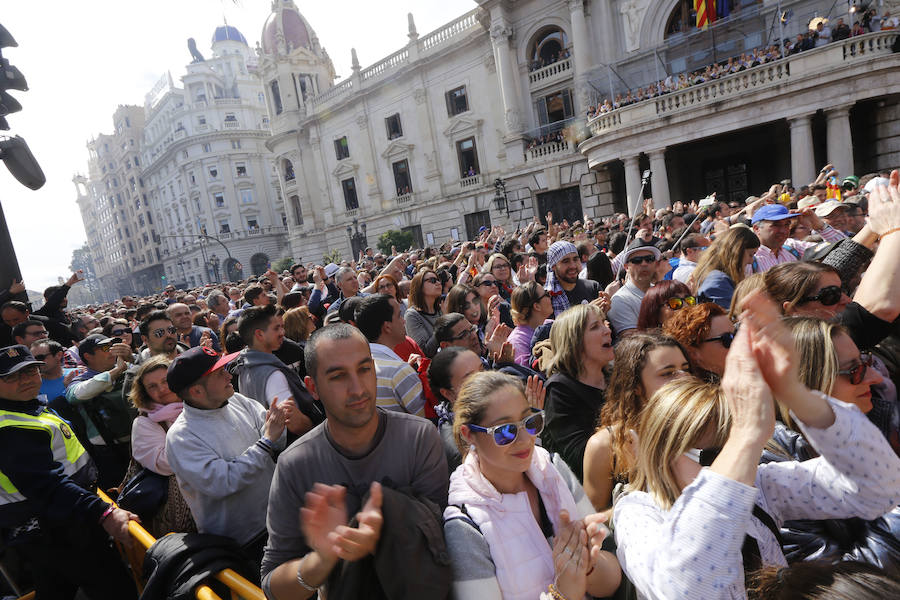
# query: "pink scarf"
[[164, 413]]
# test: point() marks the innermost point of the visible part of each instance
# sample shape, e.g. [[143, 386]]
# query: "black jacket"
[[179, 562], [411, 560], [572, 409]]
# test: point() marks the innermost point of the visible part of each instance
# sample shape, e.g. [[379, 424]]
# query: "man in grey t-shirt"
[[328, 471]]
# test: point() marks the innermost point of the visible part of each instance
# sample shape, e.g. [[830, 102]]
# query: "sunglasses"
[[725, 339], [158, 333], [676, 303], [636, 260], [43, 356], [858, 373], [507, 433], [487, 283], [430, 280], [828, 296], [120, 332]]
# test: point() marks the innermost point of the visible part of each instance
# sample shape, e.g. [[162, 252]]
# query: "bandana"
[[557, 293]]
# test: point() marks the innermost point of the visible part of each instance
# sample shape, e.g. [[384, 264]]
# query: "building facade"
[[484, 121], [205, 205]]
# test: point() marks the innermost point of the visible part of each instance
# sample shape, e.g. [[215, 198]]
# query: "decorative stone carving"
[[513, 120], [501, 32], [362, 121], [489, 63], [632, 15], [420, 94]]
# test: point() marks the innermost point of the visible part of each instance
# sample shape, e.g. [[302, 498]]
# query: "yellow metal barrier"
[[239, 586]]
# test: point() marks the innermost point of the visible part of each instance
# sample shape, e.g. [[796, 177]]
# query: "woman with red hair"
[[660, 303]]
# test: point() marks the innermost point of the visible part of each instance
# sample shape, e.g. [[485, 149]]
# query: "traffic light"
[[14, 150]]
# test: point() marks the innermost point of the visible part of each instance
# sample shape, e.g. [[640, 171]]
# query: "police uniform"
[[47, 513]]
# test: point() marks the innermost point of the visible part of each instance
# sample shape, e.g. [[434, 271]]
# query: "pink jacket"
[[519, 550]]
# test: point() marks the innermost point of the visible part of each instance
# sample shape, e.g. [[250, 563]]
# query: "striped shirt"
[[765, 259], [399, 387]]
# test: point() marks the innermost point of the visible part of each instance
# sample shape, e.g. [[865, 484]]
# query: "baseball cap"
[[851, 179], [640, 246], [15, 358], [772, 212], [331, 269], [191, 365], [98, 340], [876, 181], [557, 250], [826, 208], [807, 202]]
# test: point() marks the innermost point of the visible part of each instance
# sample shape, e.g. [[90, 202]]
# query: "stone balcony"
[[404, 199], [470, 182], [834, 75], [551, 74], [551, 150]]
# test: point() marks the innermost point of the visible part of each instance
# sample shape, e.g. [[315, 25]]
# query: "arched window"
[[682, 19], [550, 45], [259, 263], [288, 168]]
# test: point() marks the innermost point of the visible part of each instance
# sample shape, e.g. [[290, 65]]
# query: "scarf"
[[557, 293], [164, 413]]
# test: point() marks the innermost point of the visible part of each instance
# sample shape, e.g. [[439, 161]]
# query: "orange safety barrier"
[[239, 586]]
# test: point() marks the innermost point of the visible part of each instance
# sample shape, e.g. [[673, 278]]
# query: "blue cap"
[[15, 358], [482, 228], [772, 212]]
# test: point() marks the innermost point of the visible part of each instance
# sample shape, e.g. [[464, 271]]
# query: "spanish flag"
[[706, 12]]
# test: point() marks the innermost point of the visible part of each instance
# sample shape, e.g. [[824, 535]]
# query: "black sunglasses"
[[486, 283], [430, 280], [118, 332], [828, 296], [857, 373], [636, 260], [725, 339]]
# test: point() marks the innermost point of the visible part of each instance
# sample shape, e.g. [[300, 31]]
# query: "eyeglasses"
[[725, 339], [499, 266], [636, 260], [465, 333], [487, 283], [858, 373], [120, 332], [158, 333], [541, 297], [676, 303], [29, 371], [828, 296], [507, 433], [44, 356], [430, 280]]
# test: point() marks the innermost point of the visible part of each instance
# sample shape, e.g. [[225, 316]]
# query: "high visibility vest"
[[66, 448]]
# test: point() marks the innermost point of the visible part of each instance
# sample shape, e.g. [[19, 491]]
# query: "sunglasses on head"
[[507, 433], [676, 303], [725, 339], [858, 373], [828, 296], [163, 330], [636, 260]]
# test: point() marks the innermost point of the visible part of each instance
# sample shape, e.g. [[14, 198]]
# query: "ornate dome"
[[286, 30], [227, 33]]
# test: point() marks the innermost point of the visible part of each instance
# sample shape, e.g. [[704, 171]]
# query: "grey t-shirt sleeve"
[[286, 540], [431, 478], [474, 573]]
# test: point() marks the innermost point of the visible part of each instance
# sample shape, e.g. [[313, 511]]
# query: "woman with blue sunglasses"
[[514, 524]]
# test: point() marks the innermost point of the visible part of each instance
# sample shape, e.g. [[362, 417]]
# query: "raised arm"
[[879, 290]]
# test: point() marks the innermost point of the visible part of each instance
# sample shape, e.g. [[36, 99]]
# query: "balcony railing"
[[549, 149], [393, 61], [449, 31], [550, 73], [775, 75], [228, 101], [405, 199], [470, 182], [232, 125]]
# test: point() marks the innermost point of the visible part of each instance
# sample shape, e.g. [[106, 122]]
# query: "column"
[[660, 179], [501, 33], [581, 54], [632, 183], [803, 168], [838, 139]]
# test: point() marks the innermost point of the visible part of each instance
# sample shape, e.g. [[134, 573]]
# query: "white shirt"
[[684, 270]]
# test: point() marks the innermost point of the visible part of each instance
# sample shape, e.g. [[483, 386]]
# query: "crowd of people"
[[814, 38], [693, 402]]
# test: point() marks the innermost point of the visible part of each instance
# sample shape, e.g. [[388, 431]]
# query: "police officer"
[[59, 527]]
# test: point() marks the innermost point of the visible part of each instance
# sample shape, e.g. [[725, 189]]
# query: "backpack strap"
[[793, 251], [466, 517]]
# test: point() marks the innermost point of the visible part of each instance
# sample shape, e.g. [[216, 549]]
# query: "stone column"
[[608, 43], [581, 54], [803, 168], [838, 139], [501, 33], [660, 179], [632, 183]]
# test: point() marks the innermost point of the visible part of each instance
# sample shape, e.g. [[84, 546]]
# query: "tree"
[[334, 256], [403, 240], [282, 264]]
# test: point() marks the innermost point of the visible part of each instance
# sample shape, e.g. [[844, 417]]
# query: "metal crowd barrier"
[[238, 585]]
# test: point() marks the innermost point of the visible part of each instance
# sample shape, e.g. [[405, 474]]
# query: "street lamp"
[[214, 264], [358, 240], [500, 199]]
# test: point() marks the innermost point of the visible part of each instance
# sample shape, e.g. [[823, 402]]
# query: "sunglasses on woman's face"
[[506, 433], [119, 332], [487, 283], [827, 296], [430, 280], [725, 339], [858, 373], [676, 303]]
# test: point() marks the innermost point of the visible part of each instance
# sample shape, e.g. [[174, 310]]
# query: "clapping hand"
[[354, 543], [884, 206], [506, 354], [274, 425], [570, 557], [535, 392], [324, 512]]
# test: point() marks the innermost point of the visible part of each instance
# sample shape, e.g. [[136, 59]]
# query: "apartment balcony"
[[470, 182], [549, 151], [405, 199], [551, 74], [232, 125]]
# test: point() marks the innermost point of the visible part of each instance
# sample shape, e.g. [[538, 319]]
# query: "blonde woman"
[[298, 324], [724, 265], [513, 524], [576, 389], [686, 531]]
